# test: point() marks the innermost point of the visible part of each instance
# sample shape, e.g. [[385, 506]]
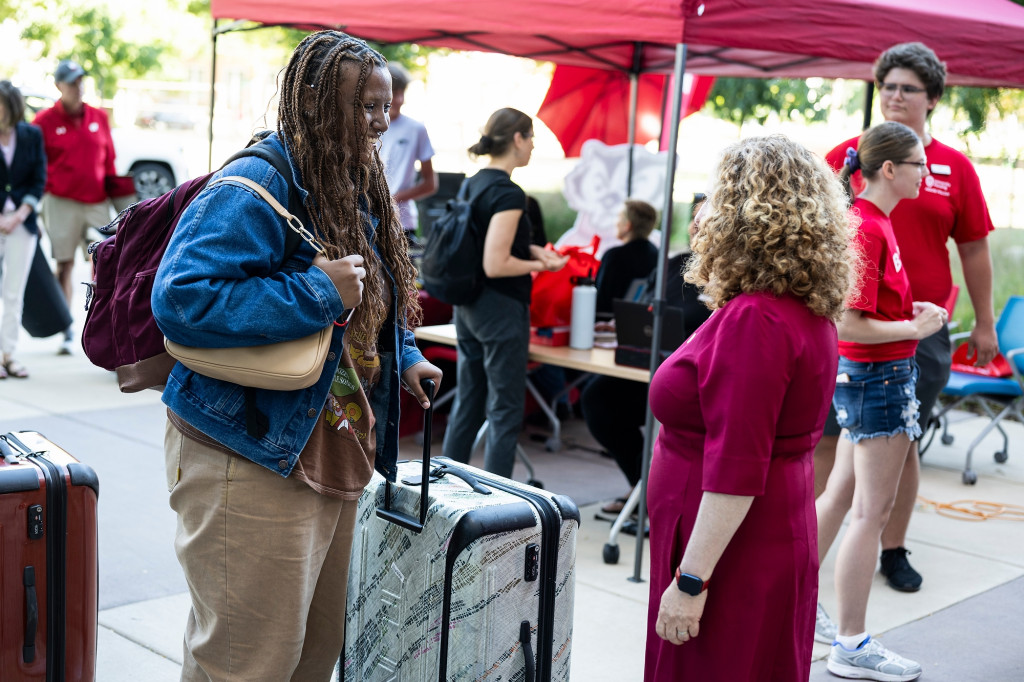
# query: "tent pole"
[[634, 87], [659, 299], [634, 95], [213, 83], [869, 96]]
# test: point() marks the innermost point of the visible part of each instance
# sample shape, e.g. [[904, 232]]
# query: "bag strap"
[[257, 147], [256, 422], [293, 222]]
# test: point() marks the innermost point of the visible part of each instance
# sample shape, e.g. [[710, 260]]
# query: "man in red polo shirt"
[[80, 156]]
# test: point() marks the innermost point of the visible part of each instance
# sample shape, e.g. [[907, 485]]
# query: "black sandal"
[[15, 370]]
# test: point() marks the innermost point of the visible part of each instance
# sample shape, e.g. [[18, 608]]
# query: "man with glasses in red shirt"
[[911, 80]]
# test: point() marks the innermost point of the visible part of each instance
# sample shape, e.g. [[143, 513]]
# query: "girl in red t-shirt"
[[874, 398]]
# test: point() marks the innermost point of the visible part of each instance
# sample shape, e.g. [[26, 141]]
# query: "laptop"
[[634, 332]]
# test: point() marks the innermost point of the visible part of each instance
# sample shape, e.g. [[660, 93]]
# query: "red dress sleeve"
[[742, 383]]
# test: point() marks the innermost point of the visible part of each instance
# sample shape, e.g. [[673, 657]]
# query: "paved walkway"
[[965, 624]]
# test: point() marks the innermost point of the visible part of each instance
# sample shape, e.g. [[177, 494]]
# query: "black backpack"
[[452, 267]]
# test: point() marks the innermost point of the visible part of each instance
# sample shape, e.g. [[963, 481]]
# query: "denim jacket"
[[222, 283]]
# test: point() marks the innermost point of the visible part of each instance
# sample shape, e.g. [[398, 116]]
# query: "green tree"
[[740, 99], [88, 33], [410, 55]]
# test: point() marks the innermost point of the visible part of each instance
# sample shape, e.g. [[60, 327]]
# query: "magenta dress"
[[742, 404]]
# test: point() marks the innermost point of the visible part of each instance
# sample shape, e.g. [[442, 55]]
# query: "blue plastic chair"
[[1005, 394]]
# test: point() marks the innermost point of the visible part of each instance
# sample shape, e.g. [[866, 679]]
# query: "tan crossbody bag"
[[282, 366]]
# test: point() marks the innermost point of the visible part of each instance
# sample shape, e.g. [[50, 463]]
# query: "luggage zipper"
[[56, 561]]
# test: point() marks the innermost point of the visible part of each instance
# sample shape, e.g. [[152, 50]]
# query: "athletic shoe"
[[825, 629], [898, 572], [871, 661], [65, 347]]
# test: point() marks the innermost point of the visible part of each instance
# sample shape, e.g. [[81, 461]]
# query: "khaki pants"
[[266, 560]]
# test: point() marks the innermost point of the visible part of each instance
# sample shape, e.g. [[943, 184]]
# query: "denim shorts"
[[875, 399]]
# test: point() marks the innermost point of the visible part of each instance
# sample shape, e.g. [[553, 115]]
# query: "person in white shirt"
[[406, 144]]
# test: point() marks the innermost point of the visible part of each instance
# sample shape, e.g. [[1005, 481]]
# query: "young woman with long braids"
[[494, 330], [874, 399], [266, 507]]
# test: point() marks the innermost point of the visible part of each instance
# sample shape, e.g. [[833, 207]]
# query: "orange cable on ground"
[[975, 510]]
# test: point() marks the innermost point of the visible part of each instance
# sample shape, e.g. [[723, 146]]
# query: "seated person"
[[635, 259], [615, 409]]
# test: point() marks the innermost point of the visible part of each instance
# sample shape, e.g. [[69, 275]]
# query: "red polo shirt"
[[79, 152]]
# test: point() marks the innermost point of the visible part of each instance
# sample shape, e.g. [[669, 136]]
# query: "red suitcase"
[[48, 564]]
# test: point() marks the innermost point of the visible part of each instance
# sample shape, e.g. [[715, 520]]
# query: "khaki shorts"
[[67, 221]]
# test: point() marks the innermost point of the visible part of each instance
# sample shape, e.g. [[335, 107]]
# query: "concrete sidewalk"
[[965, 623]]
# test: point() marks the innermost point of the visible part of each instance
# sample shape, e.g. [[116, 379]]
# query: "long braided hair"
[[327, 137]]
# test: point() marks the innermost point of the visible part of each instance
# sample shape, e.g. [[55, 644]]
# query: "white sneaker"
[[825, 629], [871, 661], [65, 347]]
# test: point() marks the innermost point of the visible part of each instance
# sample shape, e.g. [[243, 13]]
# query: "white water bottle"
[[584, 309]]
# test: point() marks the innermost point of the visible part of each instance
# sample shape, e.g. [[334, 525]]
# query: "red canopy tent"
[[981, 42]]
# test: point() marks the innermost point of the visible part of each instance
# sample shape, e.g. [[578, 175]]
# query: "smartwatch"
[[690, 584]]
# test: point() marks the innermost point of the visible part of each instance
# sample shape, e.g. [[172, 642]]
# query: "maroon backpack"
[[120, 333]]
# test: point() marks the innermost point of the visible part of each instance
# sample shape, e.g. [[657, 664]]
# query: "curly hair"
[[327, 142], [776, 221]]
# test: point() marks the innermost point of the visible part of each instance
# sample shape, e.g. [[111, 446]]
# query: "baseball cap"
[[68, 71]]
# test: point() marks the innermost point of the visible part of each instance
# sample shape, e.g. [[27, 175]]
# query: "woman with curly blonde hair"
[[742, 403]]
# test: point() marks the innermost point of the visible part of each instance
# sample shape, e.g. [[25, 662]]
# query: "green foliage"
[[739, 99], [558, 217], [410, 55], [1007, 248], [90, 35], [972, 106]]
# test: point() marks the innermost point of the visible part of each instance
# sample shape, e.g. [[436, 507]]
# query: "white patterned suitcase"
[[484, 591]]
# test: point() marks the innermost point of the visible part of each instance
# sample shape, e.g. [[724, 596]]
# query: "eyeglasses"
[[891, 88], [921, 165]]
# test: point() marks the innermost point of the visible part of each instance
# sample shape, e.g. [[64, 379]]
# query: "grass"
[[1007, 248]]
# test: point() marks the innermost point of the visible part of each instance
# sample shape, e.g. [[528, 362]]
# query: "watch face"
[[690, 584]]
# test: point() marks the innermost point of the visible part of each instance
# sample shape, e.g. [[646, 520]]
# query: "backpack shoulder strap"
[[268, 153], [473, 196]]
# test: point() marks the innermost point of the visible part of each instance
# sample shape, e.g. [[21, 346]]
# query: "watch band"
[[690, 584]]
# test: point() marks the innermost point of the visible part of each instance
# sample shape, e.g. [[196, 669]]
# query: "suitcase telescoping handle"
[[394, 516], [405, 520]]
